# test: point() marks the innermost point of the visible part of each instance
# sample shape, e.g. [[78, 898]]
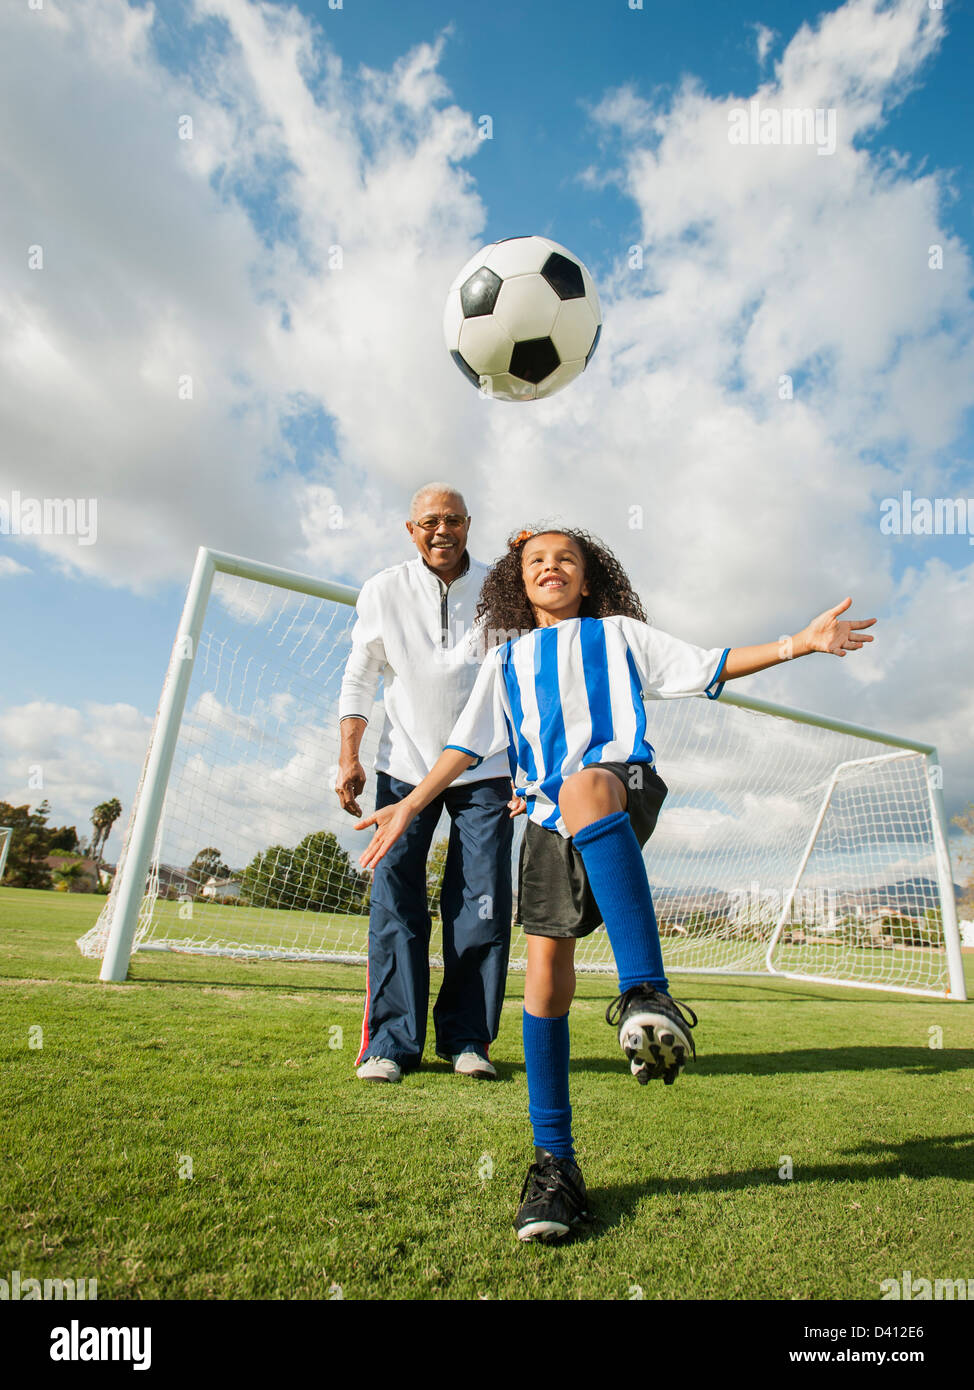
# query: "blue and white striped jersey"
[[564, 697]]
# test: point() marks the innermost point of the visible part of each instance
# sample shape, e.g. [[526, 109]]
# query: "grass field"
[[305, 1181]]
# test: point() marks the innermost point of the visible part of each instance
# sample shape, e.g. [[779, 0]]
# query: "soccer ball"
[[522, 318]]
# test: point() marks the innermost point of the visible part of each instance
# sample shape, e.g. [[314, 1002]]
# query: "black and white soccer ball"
[[522, 318]]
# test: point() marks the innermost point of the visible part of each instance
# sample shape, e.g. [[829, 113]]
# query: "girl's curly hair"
[[504, 610]]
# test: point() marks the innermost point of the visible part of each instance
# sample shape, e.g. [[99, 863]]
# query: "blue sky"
[[170, 255]]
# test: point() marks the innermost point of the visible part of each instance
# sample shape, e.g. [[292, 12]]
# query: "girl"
[[565, 697]]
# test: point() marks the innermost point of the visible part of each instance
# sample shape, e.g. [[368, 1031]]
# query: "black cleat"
[[653, 1033], [553, 1199]]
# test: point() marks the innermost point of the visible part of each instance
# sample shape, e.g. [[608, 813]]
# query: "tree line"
[[316, 875], [33, 841]]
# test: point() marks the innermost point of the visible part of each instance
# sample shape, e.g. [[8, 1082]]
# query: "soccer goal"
[[789, 845], [5, 836]]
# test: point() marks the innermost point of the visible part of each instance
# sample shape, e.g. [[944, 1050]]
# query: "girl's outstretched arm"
[[392, 821], [826, 633]]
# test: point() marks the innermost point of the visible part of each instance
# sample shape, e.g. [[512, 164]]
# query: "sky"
[[173, 176]]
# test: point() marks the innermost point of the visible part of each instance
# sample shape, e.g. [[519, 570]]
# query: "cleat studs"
[[667, 1039]]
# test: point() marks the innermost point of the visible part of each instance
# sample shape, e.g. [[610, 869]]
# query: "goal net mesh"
[[776, 834]]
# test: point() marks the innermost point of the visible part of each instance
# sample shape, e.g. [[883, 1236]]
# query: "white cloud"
[[156, 268], [763, 39], [10, 566], [80, 757]]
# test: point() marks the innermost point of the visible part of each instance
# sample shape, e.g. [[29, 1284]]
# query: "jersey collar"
[[464, 571]]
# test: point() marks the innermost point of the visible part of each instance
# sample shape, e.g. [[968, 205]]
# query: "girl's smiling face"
[[553, 569]]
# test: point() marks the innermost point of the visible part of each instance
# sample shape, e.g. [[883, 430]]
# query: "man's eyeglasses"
[[430, 523]]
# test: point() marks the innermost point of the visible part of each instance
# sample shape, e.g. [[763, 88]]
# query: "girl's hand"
[[392, 821], [829, 633]]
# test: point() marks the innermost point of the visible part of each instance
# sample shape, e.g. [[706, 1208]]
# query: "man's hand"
[[392, 821], [517, 804], [829, 633], [350, 784]]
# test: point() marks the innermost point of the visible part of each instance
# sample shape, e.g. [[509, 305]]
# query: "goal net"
[[787, 844]]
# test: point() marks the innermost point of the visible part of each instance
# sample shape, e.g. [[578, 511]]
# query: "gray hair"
[[428, 488]]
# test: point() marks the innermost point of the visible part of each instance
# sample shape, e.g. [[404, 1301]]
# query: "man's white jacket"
[[417, 635]]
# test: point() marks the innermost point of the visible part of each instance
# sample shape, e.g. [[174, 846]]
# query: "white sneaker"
[[472, 1064], [379, 1069]]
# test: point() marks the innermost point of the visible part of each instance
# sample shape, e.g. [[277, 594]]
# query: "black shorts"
[[553, 893]]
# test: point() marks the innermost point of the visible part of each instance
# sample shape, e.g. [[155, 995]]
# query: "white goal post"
[[6, 834], [790, 844]]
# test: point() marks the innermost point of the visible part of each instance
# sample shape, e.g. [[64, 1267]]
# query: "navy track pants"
[[475, 906]]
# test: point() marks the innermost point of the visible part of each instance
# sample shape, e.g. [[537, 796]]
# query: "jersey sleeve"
[[484, 725], [670, 667], [367, 659]]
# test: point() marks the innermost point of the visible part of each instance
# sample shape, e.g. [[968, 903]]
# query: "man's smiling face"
[[438, 527], [553, 568]]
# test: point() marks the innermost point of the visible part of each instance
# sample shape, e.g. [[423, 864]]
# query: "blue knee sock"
[[617, 875], [546, 1060]]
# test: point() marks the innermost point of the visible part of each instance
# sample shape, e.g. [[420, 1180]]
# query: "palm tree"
[[68, 874], [103, 817]]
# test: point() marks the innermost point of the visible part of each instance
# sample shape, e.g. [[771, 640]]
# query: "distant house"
[[175, 883], [88, 874], [221, 888]]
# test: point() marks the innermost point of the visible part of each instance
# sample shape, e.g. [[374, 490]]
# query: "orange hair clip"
[[521, 536]]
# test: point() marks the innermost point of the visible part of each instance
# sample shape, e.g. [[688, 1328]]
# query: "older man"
[[414, 629]]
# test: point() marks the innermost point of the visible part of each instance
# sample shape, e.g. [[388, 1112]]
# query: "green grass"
[[303, 1177]]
